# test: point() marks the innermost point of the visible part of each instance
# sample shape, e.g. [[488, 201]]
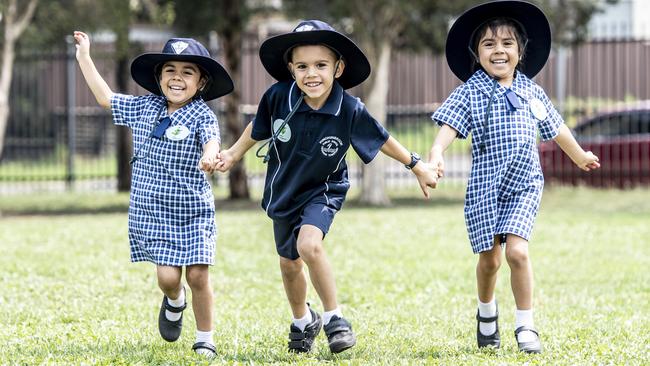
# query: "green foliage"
[[405, 279]]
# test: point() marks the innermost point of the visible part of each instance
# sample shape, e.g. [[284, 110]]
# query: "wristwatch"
[[414, 160]]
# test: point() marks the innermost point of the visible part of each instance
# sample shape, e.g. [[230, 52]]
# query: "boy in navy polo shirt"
[[311, 122]]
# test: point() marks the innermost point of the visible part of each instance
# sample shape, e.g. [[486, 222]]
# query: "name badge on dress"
[[538, 109], [177, 133]]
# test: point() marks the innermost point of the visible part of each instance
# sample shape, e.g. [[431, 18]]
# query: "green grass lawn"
[[405, 277]]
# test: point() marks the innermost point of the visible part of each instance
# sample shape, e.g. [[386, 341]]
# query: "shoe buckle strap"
[[294, 336], [300, 345], [487, 319], [173, 309]]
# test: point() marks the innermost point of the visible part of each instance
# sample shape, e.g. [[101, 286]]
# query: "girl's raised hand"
[[83, 43]]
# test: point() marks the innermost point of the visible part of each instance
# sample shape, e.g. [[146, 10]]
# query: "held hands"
[[587, 161], [225, 160], [427, 176], [83, 44], [437, 161], [208, 163]]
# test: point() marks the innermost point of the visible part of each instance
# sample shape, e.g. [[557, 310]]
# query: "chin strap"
[[488, 112]]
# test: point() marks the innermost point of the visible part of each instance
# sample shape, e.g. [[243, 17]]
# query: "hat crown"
[[312, 25], [185, 46]]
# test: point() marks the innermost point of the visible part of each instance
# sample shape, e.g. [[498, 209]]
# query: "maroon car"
[[620, 137]]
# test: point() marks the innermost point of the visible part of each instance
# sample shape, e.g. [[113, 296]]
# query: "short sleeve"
[[262, 121], [549, 128], [455, 112], [127, 109], [367, 135], [208, 128]]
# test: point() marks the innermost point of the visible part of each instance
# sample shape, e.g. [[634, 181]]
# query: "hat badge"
[[304, 28], [179, 46]]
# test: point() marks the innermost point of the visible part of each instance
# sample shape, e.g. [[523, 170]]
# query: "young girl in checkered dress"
[[495, 48], [175, 136]]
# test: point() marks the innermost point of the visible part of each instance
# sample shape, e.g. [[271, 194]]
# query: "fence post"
[[560, 78], [70, 109]]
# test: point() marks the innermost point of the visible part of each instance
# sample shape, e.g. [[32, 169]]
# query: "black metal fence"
[[58, 138]]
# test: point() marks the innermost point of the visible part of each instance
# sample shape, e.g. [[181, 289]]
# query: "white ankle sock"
[[487, 310], [301, 323], [175, 303], [525, 318], [206, 337], [327, 315]]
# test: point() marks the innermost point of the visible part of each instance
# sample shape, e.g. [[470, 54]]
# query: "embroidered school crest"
[[179, 46], [329, 145], [285, 134]]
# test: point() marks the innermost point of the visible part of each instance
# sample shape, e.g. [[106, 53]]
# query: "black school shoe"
[[528, 347], [169, 330], [302, 341], [339, 334], [492, 340], [205, 349]]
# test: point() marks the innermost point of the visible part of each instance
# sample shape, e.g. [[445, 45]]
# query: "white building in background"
[[624, 19]]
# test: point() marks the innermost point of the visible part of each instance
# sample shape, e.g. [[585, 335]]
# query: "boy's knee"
[[310, 248], [290, 267]]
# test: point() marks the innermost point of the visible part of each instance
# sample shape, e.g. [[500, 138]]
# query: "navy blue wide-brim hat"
[[273, 52], [143, 67], [530, 17]]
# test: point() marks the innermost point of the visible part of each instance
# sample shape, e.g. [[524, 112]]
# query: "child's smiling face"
[[499, 54], [314, 68], [179, 82]]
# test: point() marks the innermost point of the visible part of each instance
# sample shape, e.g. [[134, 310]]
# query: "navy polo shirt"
[[307, 162]]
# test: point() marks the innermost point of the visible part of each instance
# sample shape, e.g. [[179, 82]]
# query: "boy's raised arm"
[[95, 82]]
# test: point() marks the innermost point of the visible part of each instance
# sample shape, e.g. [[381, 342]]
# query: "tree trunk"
[[373, 187], [231, 40], [124, 145], [14, 26]]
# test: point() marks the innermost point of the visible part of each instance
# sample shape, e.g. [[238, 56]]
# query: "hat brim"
[[143, 72], [531, 17], [272, 51]]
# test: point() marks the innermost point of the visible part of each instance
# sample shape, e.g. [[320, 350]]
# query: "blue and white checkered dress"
[[171, 208], [506, 181]]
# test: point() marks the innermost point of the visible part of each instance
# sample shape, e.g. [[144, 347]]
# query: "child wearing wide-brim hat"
[[175, 136], [311, 122], [495, 48]]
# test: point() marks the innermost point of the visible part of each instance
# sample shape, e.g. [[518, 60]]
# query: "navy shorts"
[[286, 232]]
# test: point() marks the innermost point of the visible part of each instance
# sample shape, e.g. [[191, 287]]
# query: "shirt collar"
[[332, 105], [521, 84]]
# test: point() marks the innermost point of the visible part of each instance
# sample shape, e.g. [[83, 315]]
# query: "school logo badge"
[[177, 133], [179, 46], [538, 109], [330, 145], [285, 134]]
